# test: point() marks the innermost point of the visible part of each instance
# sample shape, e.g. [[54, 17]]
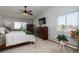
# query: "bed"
[[18, 37]]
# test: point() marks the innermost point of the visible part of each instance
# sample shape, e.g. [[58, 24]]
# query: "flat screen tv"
[[42, 21]]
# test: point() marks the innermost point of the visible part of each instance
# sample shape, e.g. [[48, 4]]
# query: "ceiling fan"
[[25, 11]]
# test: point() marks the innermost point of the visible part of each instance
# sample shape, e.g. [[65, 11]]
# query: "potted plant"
[[62, 39], [77, 32], [77, 37]]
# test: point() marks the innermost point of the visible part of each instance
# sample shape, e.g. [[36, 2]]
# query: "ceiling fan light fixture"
[[25, 14]]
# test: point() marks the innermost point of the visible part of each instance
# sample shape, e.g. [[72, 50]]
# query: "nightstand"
[[2, 40]]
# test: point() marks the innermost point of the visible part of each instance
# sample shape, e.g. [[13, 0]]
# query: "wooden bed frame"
[[3, 47]]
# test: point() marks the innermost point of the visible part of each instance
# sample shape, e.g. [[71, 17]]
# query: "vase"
[[63, 42]]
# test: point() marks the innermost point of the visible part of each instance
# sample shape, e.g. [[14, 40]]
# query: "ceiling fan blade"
[[29, 13], [21, 10]]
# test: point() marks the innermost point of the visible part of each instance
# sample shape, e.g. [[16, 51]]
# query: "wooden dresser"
[[42, 32]]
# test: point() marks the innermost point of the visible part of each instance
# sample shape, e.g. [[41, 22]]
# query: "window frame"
[[67, 20], [20, 24]]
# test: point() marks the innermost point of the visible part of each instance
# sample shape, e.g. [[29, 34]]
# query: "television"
[[42, 21]]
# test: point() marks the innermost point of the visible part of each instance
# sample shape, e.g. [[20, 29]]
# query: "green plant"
[[77, 32], [62, 37]]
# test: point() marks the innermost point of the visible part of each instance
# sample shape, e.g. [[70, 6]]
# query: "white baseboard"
[[68, 44]]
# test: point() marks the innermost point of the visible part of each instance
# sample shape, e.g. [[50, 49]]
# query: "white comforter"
[[16, 37]]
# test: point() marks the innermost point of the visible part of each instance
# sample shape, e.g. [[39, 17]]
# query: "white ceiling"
[[13, 11]]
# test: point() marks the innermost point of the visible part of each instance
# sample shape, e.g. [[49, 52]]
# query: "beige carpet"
[[41, 46]]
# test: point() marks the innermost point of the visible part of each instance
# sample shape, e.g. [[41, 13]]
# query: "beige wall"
[[51, 20], [10, 21]]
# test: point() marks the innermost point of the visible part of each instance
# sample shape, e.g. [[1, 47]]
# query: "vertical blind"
[[68, 21]]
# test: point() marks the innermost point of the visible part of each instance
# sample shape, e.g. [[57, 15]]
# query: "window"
[[19, 25], [23, 24], [72, 21], [68, 22], [61, 23]]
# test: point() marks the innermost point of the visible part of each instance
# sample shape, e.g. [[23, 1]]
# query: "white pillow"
[[2, 30]]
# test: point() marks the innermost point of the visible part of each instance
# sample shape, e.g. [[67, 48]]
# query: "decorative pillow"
[[28, 32], [7, 31], [2, 30]]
